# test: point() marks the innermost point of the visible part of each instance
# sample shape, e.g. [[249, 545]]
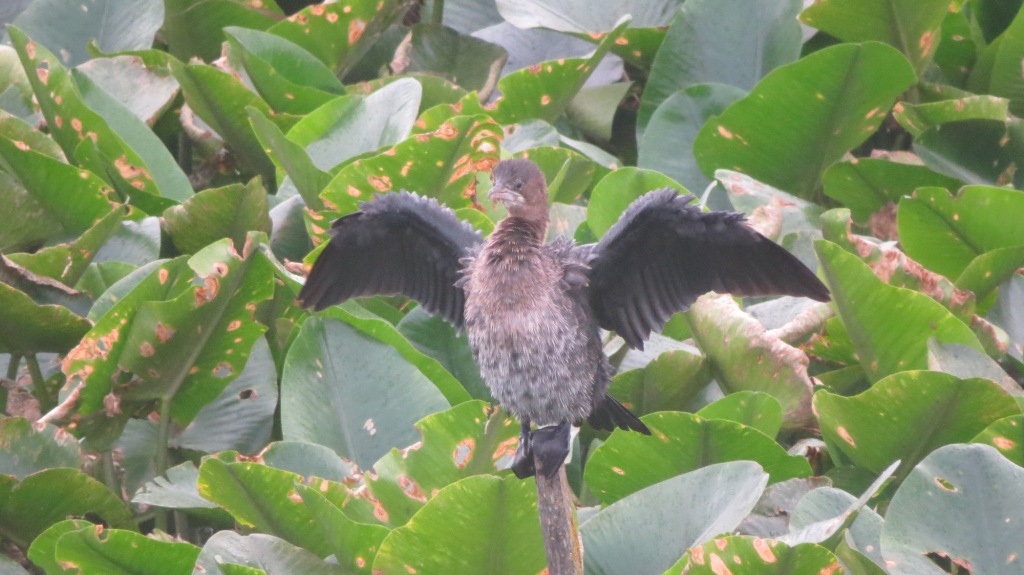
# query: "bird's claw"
[[550, 445]]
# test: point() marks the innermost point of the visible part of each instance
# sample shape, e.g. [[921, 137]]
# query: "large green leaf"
[[339, 33], [1004, 78], [670, 382], [196, 27], [667, 142], [308, 180], [960, 504], [288, 77], [463, 60], [755, 409], [753, 556], [352, 392], [917, 118], [730, 42], [25, 450], [145, 88], [888, 326], [468, 439], [27, 327], [220, 100], [350, 126], [478, 525], [744, 356], [648, 531], [681, 442], [44, 498], [119, 552], [114, 25], [866, 185], [908, 415], [971, 237], [229, 212], [443, 165], [353, 545], [975, 151], [41, 553], [66, 263], [613, 194], [842, 94], [173, 335], [911, 26], [261, 554], [435, 337]]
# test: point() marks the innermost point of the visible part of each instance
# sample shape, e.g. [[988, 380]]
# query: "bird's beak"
[[504, 195]]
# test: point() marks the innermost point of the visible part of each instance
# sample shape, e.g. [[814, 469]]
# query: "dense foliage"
[[167, 168]]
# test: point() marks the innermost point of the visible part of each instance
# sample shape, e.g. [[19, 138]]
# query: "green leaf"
[[965, 362], [866, 185], [176, 489], [669, 382], [44, 498], [42, 551], [266, 499], [75, 198], [25, 450], [338, 33], [917, 118], [613, 194], [468, 439], [593, 110], [583, 15], [842, 93], [951, 234], [1004, 77], [352, 392], [147, 89], [288, 77], [744, 356], [350, 126], [66, 263], [1007, 436], [353, 545], [479, 525], [292, 158], [120, 552], [741, 555], [308, 460], [647, 531], [229, 212], [680, 443], [667, 143], [466, 61], [196, 27], [114, 25], [434, 336], [443, 165], [731, 42], [221, 100], [259, 552], [911, 26], [173, 335], [908, 415], [956, 505], [27, 328], [975, 151], [888, 326], [754, 409]]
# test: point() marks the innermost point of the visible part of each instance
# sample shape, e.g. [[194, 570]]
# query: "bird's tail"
[[609, 414]]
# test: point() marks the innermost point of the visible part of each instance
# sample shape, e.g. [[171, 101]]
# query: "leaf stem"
[[163, 434], [42, 395], [12, 366], [107, 468], [437, 15]]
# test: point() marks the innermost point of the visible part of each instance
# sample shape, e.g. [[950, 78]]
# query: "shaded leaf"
[[975, 151], [867, 185], [229, 212], [466, 61], [25, 450], [669, 382]]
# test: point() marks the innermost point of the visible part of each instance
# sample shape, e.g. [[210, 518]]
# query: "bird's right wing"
[[397, 243]]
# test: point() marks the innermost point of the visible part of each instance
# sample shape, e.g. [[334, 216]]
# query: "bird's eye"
[[518, 185]]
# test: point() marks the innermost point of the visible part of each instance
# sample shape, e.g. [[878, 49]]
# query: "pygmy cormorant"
[[532, 310]]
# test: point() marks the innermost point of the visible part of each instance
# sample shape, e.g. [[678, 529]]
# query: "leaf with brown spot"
[[907, 415], [229, 212], [744, 555], [66, 263], [447, 437]]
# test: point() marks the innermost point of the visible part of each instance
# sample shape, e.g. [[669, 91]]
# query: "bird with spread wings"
[[532, 310]]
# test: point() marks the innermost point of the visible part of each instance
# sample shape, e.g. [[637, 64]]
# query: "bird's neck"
[[518, 230]]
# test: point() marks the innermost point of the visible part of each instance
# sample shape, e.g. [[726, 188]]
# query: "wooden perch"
[[558, 524]]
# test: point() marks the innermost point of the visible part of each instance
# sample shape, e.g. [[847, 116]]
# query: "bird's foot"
[[522, 463], [551, 447]]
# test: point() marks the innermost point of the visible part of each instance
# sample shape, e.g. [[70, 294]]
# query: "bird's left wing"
[[664, 253], [397, 243]]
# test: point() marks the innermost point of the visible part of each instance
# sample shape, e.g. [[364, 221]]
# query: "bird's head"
[[519, 185]]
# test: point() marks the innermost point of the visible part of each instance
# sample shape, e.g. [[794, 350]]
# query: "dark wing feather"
[[398, 243], [664, 253]]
